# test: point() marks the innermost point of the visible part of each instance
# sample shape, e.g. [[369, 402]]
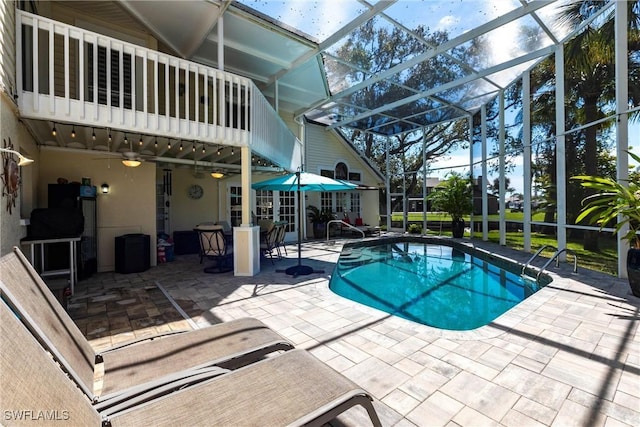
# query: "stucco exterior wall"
[[186, 213], [13, 132], [324, 150], [129, 207]]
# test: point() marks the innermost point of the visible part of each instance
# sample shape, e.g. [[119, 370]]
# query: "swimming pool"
[[436, 282]]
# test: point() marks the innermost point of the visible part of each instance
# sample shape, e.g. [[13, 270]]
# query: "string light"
[[181, 146], [93, 134], [203, 149], [218, 151], [53, 131], [169, 145], [193, 147], [73, 131], [140, 141], [125, 139]]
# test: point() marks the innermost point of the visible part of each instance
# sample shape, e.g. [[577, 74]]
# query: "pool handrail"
[[555, 257], [336, 221], [538, 252]]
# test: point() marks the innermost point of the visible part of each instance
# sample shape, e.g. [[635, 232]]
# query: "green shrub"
[[414, 229]]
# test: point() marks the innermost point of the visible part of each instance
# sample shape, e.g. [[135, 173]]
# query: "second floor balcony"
[[128, 94]]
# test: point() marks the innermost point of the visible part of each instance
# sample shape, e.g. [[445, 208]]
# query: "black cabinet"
[[132, 253], [74, 198]]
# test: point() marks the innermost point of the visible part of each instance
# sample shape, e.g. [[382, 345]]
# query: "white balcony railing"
[[68, 74]]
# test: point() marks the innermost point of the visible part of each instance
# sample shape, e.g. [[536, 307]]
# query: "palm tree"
[[590, 78]]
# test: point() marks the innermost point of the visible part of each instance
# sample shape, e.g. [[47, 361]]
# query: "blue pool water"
[[432, 284]]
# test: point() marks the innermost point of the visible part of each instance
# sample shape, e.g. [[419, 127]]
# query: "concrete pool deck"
[[567, 356]]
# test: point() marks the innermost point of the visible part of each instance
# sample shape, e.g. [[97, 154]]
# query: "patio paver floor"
[[568, 355]]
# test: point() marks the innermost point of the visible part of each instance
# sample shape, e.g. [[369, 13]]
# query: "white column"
[[473, 199], [483, 184], [622, 130], [303, 214], [502, 194], [526, 159], [388, 184], [561, 169], [424, 182], [246, 238]]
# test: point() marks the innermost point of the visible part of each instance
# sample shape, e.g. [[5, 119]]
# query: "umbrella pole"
[[299, 225], [300, 270]]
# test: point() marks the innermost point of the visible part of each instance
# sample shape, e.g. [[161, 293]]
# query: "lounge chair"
[[368, 230], [158, 358], [356, 223], [294, 388]]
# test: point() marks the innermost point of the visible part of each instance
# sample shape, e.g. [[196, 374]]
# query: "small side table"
[[72, 271]]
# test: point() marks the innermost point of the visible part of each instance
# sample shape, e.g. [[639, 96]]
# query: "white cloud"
[[447, 22]]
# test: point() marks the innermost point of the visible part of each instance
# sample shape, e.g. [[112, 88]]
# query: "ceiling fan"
[[132, 159], [129, 159]]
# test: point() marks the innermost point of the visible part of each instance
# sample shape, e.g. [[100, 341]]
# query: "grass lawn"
[[439, 216], [605, 261]]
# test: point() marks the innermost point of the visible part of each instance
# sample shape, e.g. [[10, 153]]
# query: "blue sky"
[[320, 19]]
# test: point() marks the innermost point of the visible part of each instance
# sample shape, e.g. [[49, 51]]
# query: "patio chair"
[[214, 246], [294, 388], [269, 242], [226, 229], [156, 358], [282, 232]]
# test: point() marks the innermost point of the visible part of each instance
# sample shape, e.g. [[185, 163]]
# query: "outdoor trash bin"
[[165, 249]]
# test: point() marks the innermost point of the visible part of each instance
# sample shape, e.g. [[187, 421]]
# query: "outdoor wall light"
[[104, 188]]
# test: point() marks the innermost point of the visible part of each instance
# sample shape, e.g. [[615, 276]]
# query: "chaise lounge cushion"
[[230, 344], [294, 388]]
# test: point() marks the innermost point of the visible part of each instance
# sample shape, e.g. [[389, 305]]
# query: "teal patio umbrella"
[[302, 181]]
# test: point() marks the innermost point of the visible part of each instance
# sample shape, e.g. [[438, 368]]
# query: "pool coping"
[[506, 321]]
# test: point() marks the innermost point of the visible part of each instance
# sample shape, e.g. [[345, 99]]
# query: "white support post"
[[483, 184], [388, 184], [404, 194], [303, 153], [622, 130], [526, 170], [561, 170], [502, 194], [424, 182], [473, 199], [246, 238]]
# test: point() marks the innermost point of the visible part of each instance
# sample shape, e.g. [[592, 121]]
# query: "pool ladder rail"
[[555, 257]]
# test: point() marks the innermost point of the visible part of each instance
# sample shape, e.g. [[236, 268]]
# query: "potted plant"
[[613, 199], [454, 196], [319, 220]]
